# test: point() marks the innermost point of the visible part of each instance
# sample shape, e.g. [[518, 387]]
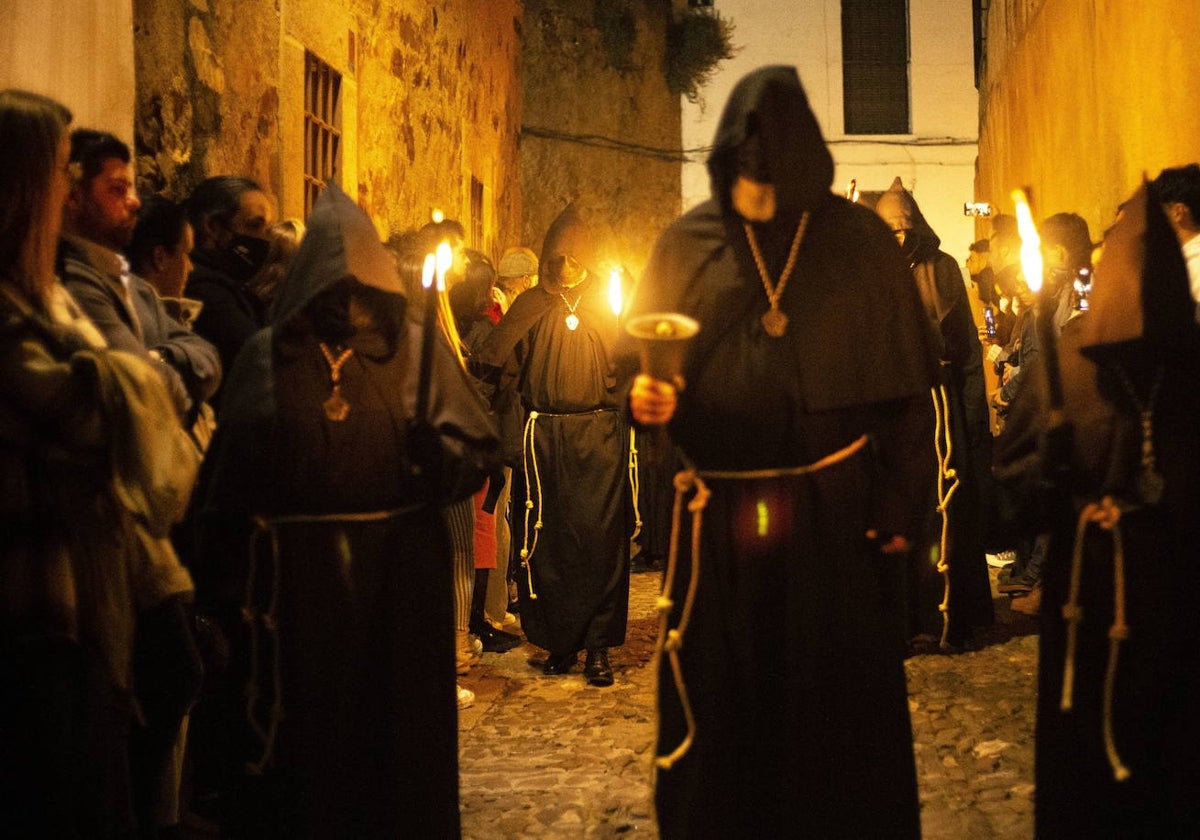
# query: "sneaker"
[[466, 697], [476, 645], [1010, 583]]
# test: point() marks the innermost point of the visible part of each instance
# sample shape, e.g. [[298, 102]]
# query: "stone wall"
[[431, 98], [1081, 97], [593, 75]]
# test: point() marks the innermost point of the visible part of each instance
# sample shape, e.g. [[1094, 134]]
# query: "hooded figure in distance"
[[944, 296], [570, 534], [799, 417], [346, 645]]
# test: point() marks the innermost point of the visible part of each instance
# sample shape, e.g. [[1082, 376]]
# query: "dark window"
[[322, 127], [875, 66]]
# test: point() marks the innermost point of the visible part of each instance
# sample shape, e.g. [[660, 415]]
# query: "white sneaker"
[[476, 645], [466, 697], [999, 561]]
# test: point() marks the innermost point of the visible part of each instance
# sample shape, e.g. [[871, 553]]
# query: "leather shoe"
[[496, 641], [597, 670], [560, 663]]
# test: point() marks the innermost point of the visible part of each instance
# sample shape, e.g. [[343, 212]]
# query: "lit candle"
[[428, 327], [615, 293], [1031, 243], [445, 258]]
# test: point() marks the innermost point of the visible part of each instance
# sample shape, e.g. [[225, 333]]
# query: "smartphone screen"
[[989, 320]]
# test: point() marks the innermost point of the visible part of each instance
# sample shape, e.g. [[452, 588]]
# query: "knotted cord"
[[528, 456], [946, 474], [1107, 514], [635, 485], [269, 620]]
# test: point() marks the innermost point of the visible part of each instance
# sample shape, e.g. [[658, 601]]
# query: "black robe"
[[1110, 359], [574, 581], [793, 659], [944, 296], [350, 592]]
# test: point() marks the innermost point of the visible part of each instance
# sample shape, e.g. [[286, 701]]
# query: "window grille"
[[875, 60], [322, 127]]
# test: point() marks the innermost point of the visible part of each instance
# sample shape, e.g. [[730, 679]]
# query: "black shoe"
[[495, 641], [597, 670], [560, 663]]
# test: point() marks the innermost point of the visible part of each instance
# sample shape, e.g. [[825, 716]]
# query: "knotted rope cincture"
[[1107, 514], [269, 733], [947, 483], [670, 641], [534, 488], [635, 485]]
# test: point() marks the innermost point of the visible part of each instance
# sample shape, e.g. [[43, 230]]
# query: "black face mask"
[[249, 253]]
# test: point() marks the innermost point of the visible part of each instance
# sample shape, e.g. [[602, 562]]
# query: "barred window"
[[875, 66], [322, 127]]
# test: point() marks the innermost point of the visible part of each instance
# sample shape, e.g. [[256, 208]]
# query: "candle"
[[429, 326], [615, 293]]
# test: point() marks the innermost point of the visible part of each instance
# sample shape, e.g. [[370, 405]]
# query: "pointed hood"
[[1140, 301], [899, 210], [769, 108], [340, 242], [569, 236]]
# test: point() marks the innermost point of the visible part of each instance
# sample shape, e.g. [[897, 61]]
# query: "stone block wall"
[[1081, 97], [431, 99], [593, 74]]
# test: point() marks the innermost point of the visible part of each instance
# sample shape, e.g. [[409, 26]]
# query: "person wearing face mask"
[[958, 576], [231, 217], [570, 497], [803, 398]]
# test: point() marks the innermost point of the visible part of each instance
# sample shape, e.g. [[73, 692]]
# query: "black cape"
[[794, 655], [360, 569]]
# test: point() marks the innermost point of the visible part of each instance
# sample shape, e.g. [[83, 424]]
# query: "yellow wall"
[[1082, 97]]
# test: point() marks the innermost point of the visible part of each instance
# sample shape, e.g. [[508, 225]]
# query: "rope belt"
[[947, 483], [269, 619], [533, 488], [670, 640], [1107, 514]]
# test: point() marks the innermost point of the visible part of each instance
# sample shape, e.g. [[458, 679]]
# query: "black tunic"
[[349, 588], [793, 657]]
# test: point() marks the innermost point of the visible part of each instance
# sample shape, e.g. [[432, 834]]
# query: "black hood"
[[1141, 302], [769, 106], [569, 236], [340, 241], [899, 210]]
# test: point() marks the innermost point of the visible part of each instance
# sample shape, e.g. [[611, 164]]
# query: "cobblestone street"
[[554, 757]]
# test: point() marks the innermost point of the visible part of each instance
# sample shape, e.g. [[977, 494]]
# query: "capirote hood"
[[1140, 301], [899, 210], [769, 105], [569, 236], [340, 241]]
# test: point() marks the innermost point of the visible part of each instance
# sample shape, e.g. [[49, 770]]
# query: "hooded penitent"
[[791, 653], [327, 549]]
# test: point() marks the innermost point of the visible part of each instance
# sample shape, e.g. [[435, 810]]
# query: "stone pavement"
[[552, 757]]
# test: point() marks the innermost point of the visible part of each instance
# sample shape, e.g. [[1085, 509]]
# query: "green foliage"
[[697, 42]]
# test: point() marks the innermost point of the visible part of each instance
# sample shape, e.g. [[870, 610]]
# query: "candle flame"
[[437, 216], [445, 258], [427, 270], [614, 291], [1031, 243]]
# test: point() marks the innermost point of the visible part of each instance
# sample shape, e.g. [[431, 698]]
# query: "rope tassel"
[[947, 483]]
